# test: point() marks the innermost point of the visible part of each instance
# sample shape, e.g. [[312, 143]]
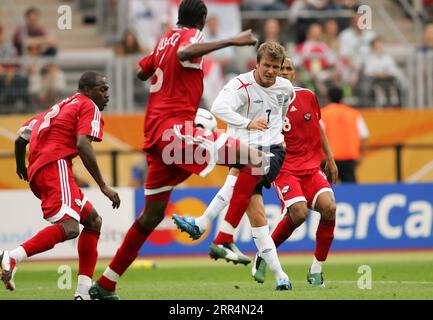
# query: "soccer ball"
[[206, 120]]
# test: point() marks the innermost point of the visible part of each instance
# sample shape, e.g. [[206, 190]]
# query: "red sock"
[[126, 254], [44, 240], [239, 202], [87, 252], [283, 231], [324, 237]]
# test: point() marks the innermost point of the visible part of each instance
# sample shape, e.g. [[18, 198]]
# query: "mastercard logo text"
[[167, 231]]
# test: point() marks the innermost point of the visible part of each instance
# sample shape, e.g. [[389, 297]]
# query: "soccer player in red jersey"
[[56, 137], [301, 184], [171, 142]]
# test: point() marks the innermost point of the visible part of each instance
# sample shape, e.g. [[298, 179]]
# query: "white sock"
[[111, 275], [19, 254], [268, 251], [83, 286], [218, 203], [316, 266]]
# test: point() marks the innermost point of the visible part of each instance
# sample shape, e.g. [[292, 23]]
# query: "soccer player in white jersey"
[[254, 105]]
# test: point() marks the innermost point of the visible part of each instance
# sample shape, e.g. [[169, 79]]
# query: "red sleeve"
[[90, 121], [316, 106], [147, 64]]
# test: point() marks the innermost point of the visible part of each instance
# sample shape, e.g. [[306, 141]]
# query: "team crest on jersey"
[[95, 125], [307, 116], [280, 98], [285, 190]]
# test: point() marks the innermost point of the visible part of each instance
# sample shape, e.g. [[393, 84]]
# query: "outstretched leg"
[[149, 219]]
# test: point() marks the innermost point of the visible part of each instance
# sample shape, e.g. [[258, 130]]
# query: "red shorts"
[[296, 188], [61, 198], [182, 152]]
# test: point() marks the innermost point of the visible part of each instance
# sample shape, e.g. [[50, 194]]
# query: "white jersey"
[[243, 100]]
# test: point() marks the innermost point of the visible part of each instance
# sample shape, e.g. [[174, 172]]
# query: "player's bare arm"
[[87, 155], [142, 76], [245, 38], [330, 165], [20, 158]]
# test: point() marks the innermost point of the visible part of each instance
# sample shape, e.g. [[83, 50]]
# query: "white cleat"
[[8, 270]]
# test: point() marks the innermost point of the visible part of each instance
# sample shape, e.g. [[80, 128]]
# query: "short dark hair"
[[89, 79], [31, 10], [191, 12], [335, 94]]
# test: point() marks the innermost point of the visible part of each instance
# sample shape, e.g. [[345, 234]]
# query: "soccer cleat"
[[79, 296], [316, 279], [96, 292], [229, 252], [259, 269], [283, 284], [8, 270], [187, 224]]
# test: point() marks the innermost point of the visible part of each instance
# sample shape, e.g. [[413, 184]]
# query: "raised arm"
[[245, 38]]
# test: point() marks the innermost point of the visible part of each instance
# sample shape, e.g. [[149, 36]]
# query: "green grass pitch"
[[398, 275]]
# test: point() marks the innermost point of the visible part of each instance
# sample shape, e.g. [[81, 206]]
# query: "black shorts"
[[276, 162]]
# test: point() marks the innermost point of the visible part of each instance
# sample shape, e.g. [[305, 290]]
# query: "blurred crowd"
[[34, 81], [328, 50]]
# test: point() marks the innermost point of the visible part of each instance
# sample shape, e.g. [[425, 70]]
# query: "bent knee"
[[328, 212], [72, 231], [298, 213]]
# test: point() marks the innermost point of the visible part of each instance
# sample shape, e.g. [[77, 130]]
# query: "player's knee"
[[72, 229], [298, 213], [95, 223], [257, 219], [328, 212]]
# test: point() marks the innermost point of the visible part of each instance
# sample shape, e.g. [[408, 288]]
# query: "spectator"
[[427, 45], [383, 75], [352, 5], [128, 45], [7, 51], [212, 33], [53, 83], [13, 85], [264, 5], [216, 64], [271, 32], [347, 134], [316, 58], [32, 34], [330, 34], [355, 41], [148, 18]]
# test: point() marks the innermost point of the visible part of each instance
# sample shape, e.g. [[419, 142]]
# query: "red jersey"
[[176, 87], [302, 134], [54, 132]]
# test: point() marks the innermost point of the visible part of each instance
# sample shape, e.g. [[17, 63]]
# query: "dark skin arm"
[[20, 158], [200, 49], [330, 165], [87, 155]]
